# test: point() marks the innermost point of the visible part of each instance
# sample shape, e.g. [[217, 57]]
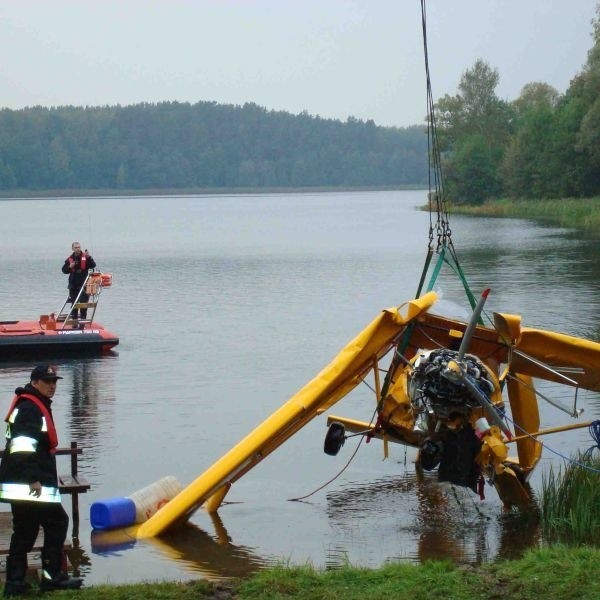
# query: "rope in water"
[[362, 438]]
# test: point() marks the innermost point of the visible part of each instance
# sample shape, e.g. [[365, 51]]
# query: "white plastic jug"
[[153, 497]]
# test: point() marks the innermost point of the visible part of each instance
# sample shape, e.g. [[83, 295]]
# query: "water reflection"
[[518, 533], [92, 399], [213, 557], [432, 521]]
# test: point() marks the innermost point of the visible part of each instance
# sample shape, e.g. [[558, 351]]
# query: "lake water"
[[227, 305]]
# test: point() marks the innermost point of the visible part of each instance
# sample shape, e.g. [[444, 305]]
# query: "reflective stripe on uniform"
[[44, 424], [23, 444], [13, 415], [21, 491]]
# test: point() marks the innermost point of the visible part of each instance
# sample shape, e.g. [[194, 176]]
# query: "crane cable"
[[437, 197]]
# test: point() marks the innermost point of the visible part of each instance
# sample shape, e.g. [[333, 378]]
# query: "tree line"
[[541, 145], [171, 145]]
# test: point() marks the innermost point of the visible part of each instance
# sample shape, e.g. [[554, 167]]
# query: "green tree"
[[529, 155], [473, 129], [472, 170], [586, 91], [7, 177]]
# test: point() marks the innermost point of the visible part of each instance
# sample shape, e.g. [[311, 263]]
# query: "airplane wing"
[[575, 358]]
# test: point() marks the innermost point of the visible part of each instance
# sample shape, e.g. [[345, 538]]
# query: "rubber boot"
[[16, 568], [53, 576], [62, 581]]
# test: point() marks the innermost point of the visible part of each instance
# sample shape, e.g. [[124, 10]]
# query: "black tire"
[[334, 439], [430, 454]]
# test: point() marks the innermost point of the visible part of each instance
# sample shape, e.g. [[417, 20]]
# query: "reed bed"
[[579, 213], [570, 501]]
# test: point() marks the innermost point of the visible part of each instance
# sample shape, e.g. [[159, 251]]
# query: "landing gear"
[[335, 438]]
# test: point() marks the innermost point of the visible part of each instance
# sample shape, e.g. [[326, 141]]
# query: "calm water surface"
[[227, 305]]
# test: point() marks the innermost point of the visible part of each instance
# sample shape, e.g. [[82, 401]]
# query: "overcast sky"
[[332, 58]]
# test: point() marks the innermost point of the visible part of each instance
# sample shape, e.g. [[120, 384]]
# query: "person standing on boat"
[[77, 265], [29, 481]]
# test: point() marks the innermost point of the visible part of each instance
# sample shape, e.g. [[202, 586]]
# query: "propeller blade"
[[466, 341]]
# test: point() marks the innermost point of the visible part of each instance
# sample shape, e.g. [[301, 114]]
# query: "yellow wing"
[[571, 360]]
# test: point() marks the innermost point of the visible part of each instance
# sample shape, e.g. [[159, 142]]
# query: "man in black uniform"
[[77, 266], [29, 481]]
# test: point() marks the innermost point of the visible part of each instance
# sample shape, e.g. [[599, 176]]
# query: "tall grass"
[[570, 501], [578, 213]]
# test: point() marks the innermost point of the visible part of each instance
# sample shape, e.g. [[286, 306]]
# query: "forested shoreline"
[[173, 145]]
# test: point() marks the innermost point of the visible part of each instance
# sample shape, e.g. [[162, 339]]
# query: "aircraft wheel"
[[334, 439], [430, 454]]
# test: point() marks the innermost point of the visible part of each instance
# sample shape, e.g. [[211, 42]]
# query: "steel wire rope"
[[349, 460], [594, 430], [442, 226], [435, 175], [362, 437]]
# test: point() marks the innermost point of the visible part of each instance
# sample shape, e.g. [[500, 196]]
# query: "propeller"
[[456, 370]]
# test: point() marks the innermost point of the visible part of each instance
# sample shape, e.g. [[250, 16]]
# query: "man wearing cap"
[[29, 481]]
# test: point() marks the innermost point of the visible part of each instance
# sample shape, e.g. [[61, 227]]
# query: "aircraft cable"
[[362, 437], [436, 192], [436, 196], [594, 430], [300, 498], [436, 200]]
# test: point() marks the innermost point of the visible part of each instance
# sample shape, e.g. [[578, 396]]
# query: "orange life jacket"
[[52, 435], [82, 262]]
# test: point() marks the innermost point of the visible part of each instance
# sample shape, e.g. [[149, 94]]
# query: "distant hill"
[[173, 145]]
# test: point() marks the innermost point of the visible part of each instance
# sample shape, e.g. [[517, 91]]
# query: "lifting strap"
[[447, 255]]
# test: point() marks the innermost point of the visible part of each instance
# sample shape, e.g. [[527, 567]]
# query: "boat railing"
[[92, 287]]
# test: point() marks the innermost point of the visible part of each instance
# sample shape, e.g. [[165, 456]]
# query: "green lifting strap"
[[448, 257], [424, 273], [437, 268]]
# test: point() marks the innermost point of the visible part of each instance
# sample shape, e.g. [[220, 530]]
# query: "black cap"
[[45, 372]]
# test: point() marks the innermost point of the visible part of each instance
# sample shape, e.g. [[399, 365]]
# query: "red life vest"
[[52, 435], [82, 262]]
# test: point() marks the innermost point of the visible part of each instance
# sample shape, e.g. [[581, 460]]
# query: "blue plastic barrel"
[[111, 513]]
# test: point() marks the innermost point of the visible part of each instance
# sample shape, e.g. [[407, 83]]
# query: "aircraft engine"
[[437, 382]]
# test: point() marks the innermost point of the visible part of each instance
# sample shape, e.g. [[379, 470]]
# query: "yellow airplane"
[[442, 393]]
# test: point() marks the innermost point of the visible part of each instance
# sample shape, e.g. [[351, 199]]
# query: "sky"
[[331, 58]]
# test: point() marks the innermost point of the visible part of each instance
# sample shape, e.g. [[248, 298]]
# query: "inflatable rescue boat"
[[61, 334]]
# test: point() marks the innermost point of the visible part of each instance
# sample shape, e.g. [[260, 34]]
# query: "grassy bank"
[[557, 572], [578, 213]]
